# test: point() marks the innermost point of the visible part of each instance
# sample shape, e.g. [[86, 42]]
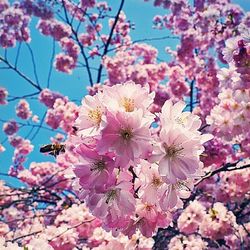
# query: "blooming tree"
[[155, 156]]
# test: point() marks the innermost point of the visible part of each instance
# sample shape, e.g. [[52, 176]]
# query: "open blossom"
[[178, 155], [150, 182], [174, 193], [128, 97], [231, 48], [94, 171], [90, 115], [126, 134], [148, 219], [173, 115], [116, 204], [180, 143]]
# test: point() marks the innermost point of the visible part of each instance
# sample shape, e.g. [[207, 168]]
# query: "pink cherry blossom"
[[126, 134], [23, 110], [10, 127], [3, 95]]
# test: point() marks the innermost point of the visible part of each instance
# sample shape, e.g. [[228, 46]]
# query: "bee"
[[53, 149]]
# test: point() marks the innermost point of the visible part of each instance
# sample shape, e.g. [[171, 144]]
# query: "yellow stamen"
[[95, 115], [128, 104], [213, 213], [156, 181]]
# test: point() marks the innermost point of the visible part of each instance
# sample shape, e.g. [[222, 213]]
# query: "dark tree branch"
[[39, 127], [105, 51], [33, 62], [51, 63], [18, 53], [22, 97], [79, 44], [226, 168], [20, 73], [191, 95]]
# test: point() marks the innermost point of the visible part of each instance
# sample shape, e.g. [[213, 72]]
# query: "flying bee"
[[53, 149]]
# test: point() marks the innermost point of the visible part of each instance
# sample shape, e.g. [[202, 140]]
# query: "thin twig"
[[21, 74], [51, 63], [226, 168], [105, 51]]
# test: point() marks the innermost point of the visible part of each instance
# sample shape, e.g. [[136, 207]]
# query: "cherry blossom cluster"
[[59, 226], [234, 185], [190, 242], [54, 28], [40, 9], [10, 127], [122, 30], [39, 174], [138, 64], [3, 96], [48, 97], [129, 175], [210, 222], [203, 27], [66, 62], [136, 162], [215, 223], [217, 152], [23, 110], [23, 148], [14, 24], [230, 118], [63, 114]]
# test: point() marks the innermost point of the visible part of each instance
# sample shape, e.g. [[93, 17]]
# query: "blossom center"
[[172, 151], [156, 181], [148, 207], [128, 104], [126, 134], [95, 115], [98, 166], [213, 213], [111, 195]]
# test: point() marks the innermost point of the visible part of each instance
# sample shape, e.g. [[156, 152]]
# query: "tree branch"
[[109, 40], [21, 74], [227, 167]]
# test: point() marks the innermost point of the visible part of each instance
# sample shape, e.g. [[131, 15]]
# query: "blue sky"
[[74, 86]]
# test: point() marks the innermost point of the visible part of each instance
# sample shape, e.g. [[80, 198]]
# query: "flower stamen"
[[98, 166], [126, 134], [95, 115], [128, 104], [111, 195], [173, 150]]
